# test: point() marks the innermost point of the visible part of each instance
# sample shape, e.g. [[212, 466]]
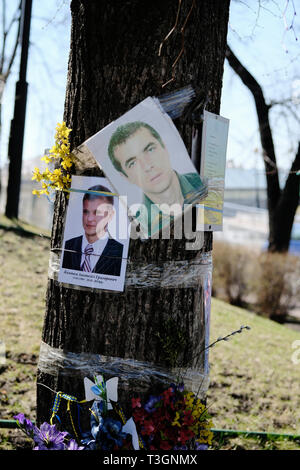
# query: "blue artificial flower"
[[96, 418], [112, 429], [88, 441], [106, 433], [99, 389]]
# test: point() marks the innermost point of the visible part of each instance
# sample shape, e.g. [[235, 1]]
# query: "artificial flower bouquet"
[[173, 420]]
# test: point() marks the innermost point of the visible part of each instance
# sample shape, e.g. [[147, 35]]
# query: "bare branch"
[[293, 112], [286, 103], [51, 21], [15, 17], [3, 15], [4, 34], [14, 51]]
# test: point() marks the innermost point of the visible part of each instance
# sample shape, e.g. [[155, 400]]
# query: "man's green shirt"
[[152, 219]]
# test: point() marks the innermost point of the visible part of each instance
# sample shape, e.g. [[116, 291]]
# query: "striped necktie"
[[86, 265]]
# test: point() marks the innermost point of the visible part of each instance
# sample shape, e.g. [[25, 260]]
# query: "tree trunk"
[[113, 65], [282, 218]]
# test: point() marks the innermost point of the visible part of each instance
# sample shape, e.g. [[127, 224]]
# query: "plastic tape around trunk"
[[168, 274], [55, 361]]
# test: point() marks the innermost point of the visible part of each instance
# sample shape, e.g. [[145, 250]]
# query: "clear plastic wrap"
[[54, 361], [168, 274], [174, 103], [186, 274]]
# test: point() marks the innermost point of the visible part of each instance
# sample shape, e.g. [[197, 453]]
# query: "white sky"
[[257, 35]]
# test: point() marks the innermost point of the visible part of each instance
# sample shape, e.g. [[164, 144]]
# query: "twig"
[[182, 39], [172, 30], [226, 338], [14, 51], [43, 385]]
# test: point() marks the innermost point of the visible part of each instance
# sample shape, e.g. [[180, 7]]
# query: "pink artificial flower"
[[136, 402], [165, 445], [148, 428]]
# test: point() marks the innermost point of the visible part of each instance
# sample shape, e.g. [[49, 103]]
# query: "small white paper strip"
[[111, 390], [130, 428]]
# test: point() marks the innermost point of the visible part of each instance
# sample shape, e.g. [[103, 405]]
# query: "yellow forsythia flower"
[[58, 179]]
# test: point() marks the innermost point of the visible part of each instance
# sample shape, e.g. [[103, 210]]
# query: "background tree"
[[282, 203], [16, 140], [46, 76], [10, 39], [113, 65]]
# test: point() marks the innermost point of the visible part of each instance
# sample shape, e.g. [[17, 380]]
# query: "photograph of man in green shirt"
[[137, 151]]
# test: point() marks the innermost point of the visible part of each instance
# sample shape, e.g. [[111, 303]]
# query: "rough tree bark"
[[282, 203], [113, 65]]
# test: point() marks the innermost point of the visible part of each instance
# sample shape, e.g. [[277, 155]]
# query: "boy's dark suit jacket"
[[109, 262]]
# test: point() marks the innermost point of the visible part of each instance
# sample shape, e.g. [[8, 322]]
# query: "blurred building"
[[245, 215], [246, 187], [35, 210], [245, 218]]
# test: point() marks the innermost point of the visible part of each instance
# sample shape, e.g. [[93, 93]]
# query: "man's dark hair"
[[122, 134], [92, 196]]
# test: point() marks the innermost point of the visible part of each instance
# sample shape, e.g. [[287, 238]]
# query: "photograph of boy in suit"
[[95, 251]]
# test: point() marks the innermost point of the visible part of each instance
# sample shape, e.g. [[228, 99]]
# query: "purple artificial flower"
[[179, 387], [25, 424], [150, 405], [201, 446], [72, 445], [48, 437], [24, 421]]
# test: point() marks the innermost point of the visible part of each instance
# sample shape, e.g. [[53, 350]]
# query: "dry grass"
[[24, 261], [265, 282], [254, 382]]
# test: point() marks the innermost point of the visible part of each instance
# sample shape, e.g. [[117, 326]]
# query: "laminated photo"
[[146, 161], [95, 244], [213, 164]]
